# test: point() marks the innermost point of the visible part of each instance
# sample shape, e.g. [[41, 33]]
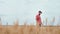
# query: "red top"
[[38, 19]]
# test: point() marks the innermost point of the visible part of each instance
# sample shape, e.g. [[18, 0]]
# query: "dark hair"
[[40, 12]]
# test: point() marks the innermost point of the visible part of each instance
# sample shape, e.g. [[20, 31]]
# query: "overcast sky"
[[25, 11]]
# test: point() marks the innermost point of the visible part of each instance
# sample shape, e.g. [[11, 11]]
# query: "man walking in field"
[[38, 18]]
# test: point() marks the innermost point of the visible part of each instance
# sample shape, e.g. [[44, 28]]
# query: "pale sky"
[[25, 11]]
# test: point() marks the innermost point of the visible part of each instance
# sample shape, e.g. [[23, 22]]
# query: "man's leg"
[[40, 25]]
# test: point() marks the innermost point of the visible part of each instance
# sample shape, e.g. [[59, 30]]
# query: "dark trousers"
[[40, 25]]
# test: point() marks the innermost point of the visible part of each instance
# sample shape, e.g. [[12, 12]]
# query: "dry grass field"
[[29, 29]]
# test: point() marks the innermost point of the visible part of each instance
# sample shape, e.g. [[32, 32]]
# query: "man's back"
[[38, 19]]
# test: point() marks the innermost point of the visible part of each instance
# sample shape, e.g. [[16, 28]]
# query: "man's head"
[[40, 12]]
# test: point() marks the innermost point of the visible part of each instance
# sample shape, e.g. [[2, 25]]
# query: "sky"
[[26, 10]]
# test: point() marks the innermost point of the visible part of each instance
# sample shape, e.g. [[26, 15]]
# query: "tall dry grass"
[[29, 29]]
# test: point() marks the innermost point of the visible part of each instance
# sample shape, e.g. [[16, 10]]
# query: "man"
[[38, 18]]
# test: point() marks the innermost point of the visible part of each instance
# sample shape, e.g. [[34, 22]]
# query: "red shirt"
[[38, 19]]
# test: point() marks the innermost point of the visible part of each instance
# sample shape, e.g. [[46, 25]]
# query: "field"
[[29, 29]]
